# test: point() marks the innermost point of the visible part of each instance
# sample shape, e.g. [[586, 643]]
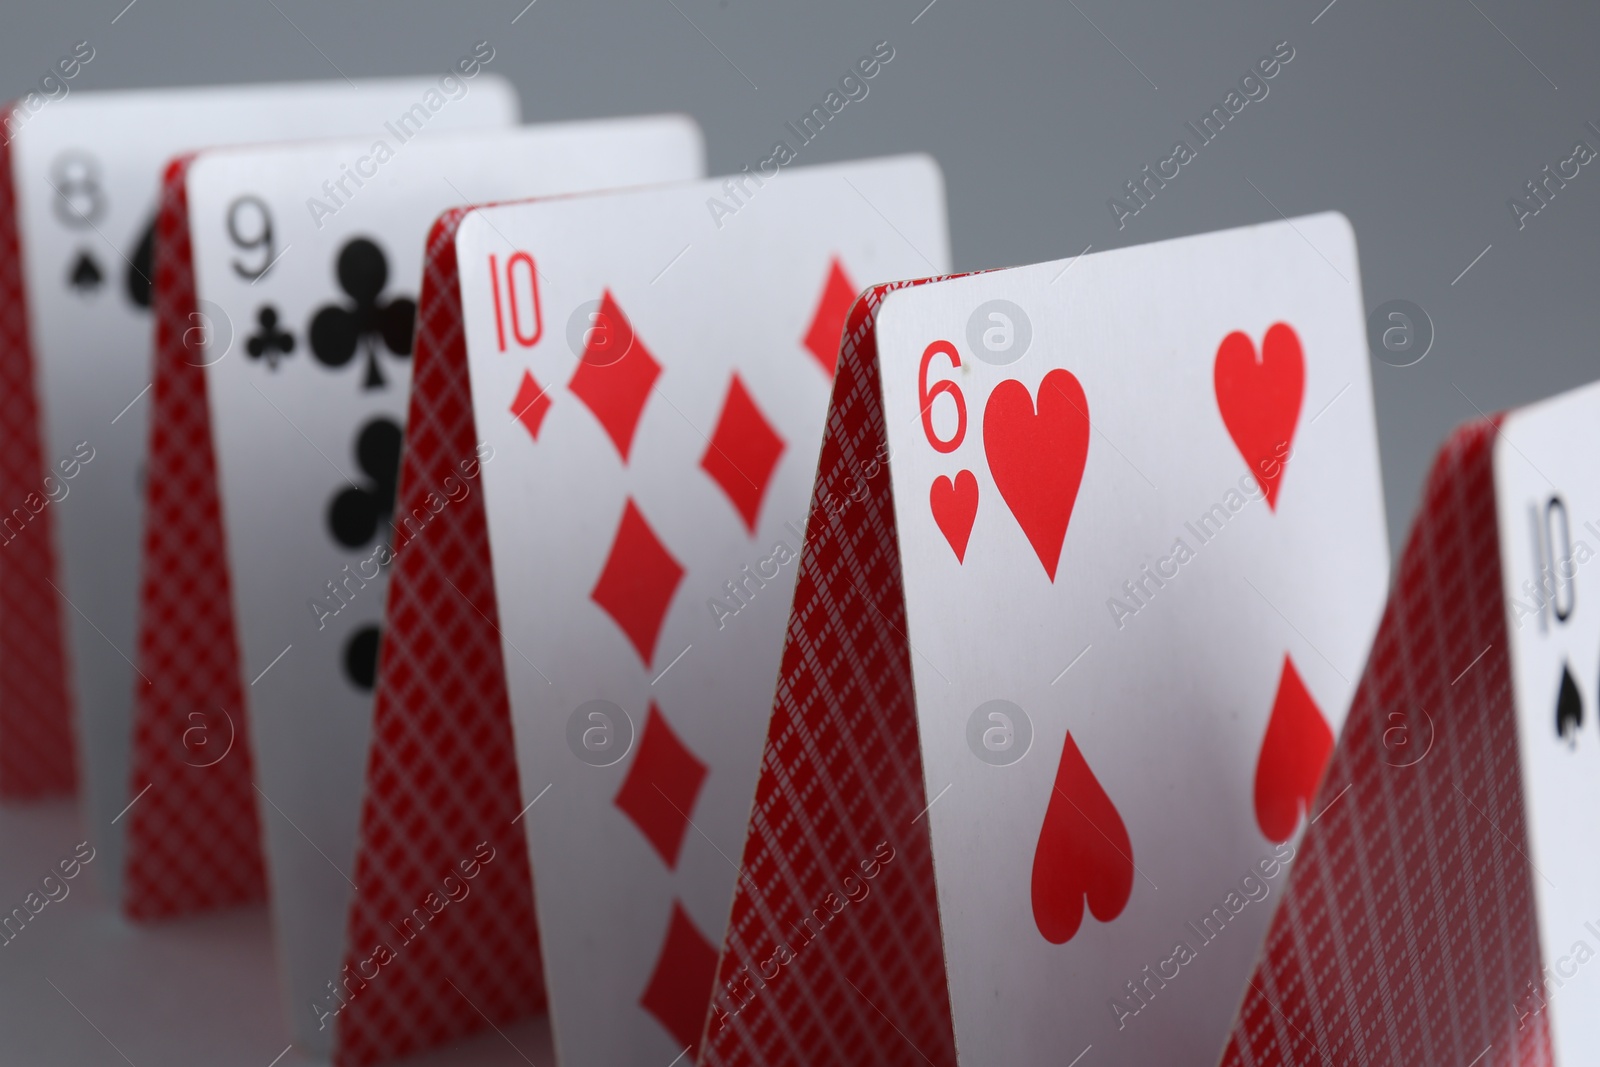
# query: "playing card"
[[651, 370], [1547, 495], [442, 796], [306, 367], [1133, 508], [85, 173], [1418, 888]]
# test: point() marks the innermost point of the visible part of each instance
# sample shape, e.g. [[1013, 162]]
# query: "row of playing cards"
[[630, 600]]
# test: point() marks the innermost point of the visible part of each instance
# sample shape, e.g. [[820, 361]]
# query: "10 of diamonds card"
[[311, 299], [1115, 539], [85, 173], [652, 375]]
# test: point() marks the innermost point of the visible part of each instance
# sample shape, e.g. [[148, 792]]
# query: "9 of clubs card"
[[311, 277]]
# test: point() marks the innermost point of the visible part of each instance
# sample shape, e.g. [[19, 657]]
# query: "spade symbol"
[[355, 511], [1569, 708], [85, 276], [338, 330], [142, 267]]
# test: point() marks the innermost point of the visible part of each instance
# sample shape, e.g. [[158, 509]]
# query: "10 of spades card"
[[1113, 594], [306, 301], [1450, 874], [84, 174], [653, 380], [1547, 496]]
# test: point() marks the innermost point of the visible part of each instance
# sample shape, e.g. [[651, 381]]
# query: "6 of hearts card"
[[301, 264], [1096, 551], [651, 369], [78, 190]]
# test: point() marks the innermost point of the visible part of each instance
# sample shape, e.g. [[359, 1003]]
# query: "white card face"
[[1091, 821], [1547, 496], [643, 501], [307, 408], [88, 170]]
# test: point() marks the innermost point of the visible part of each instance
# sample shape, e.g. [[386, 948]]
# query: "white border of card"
[[87, 172], [711, 294], [1547, 500], [1149, 635], [287, 412]]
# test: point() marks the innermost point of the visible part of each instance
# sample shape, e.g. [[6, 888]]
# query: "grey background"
[[1416, 120]]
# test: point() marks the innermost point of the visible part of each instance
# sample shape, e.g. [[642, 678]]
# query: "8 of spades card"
[[87, 170]]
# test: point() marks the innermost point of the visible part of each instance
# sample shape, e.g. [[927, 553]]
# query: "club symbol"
[[142, 267], [338, 330], [269, 342], [85, 275], [355, 512], [361, 658]]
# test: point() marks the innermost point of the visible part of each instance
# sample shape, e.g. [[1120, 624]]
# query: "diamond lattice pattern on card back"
[[442, 773], [841, 781], [194, 841], [36, 736], [1409, 934]]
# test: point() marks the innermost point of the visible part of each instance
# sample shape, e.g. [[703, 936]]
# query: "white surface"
[[1548, 452], [92, 353], [285, 441], [194, 993], [1169, 711], [706, 301]]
